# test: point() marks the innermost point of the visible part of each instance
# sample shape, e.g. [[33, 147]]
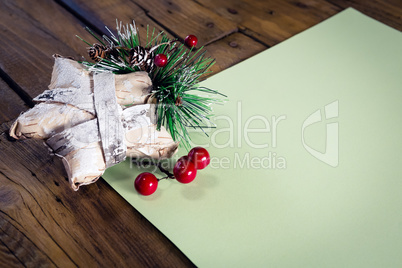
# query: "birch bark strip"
[[108, 113]]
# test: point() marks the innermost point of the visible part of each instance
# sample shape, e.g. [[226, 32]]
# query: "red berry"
[[160, 60], [191, 40], [184, 158], [200, 157], [184, 170], [146, 183]]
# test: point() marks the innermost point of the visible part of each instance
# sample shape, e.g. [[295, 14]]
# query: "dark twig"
[[158, 164], [168, 174]]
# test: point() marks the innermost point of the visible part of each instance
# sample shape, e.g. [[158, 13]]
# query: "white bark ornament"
[[94, 120], [132, 100]]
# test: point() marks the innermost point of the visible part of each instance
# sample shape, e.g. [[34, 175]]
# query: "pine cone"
[[142, 58], [97, 51], [112, 52]]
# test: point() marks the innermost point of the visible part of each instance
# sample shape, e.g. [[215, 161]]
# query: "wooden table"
[[42, 221]]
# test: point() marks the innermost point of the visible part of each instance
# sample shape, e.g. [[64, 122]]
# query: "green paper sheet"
[[306, 158]]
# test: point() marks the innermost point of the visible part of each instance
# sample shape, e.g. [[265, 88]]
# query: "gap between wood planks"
[[16, 88], [386, 11], [27, 164], [27, 99], [102, 31], [240, 29], [85, 21]]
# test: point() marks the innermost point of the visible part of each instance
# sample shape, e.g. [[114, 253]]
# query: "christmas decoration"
[[160, 60], [81, 120], [97, 52], [184, 170], [191, 41], [174, 87], [146, 183], [200, 157], [131, 100]]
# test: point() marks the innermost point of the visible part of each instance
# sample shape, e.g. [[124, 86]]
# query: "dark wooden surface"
[[43, 223]]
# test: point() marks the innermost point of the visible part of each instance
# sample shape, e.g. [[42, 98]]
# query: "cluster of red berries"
[[161, 60], [184, 171]]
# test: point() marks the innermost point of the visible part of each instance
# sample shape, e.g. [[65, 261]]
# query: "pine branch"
[[173, 85]]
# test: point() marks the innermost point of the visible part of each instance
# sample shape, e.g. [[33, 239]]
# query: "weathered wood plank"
[[184, 17], [11, 105], [44, 223], [232, 50], [57, 226], [94, 227], [386, 11], [21, 249], [103, 13], [272, 21], [30, 34], [227, 51]]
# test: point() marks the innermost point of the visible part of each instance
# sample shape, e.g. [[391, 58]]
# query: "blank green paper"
[[306, 164]]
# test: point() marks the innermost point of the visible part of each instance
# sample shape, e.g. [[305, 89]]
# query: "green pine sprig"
[[181, 102]]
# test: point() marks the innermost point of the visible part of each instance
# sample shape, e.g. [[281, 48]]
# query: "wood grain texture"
[[30, 35], [387, 11], [272, 21], [11, 104], [43, 223], [184, 17], [98, 14], [232, 50], [227, 51]]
